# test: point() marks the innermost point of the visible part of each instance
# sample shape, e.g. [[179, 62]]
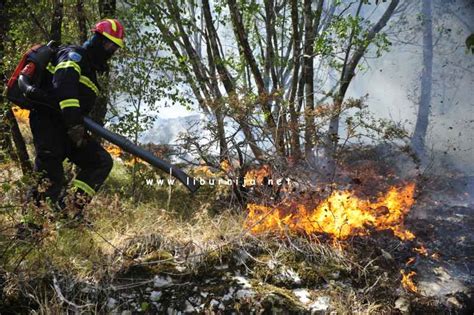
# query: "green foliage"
[[146, 78], [29, 25]]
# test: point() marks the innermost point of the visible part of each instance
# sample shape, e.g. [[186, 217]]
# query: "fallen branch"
[[63, 299]]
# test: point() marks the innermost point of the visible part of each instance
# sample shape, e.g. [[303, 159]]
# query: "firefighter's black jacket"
[[72, 82]]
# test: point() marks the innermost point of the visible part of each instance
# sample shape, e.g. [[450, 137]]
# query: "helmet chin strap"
[[97, 53]]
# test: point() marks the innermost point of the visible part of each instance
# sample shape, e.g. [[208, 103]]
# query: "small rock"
[[386, 255], [335, 275], [194, 300], [214, 303], [221, 267], [155, 296], [243, 294], [453, 301], [241, 257], [442, 274], [243, 282], [189, 308], [111, 303], [290, 275], [204, 294], [129, 296], [403, 305], [229, 295], [320, 304], [161, 281], [87, 290], [303, 295], [272, 264]]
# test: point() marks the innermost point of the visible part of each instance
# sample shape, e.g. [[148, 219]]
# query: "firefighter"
[[71, 85]]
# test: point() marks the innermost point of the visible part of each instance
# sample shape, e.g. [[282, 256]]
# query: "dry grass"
[[145, 238]]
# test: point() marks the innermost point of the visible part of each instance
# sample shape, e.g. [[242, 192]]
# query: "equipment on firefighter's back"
[[22, 86]]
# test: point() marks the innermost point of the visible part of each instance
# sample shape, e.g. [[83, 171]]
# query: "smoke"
[[393, 81]]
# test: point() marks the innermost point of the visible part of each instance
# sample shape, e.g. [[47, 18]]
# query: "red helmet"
[[112, 29]]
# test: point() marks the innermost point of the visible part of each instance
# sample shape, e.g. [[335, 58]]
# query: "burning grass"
[[407, 281], [341, 215], [130, 245], [357, 258]]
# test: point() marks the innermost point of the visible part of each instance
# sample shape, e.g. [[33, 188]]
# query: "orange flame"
[[203, 171], [117, 152], [257, 176], [114, 150], [410, 261], [226, 166], [407, 281], [421, 250], [341, 215]]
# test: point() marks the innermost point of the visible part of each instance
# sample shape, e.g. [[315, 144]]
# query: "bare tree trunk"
[[217, 103], [107, 8], [421, 127], [22, 153], [216, 62], [308, 76], [270, 62], [196, 62], [227, 80], [294, 124], [241, 37], [9, 130], [198, 88], [5, 139], [333, 136], [206, 83], [81, 20], [226, 77], [55, 33], [346, 78]]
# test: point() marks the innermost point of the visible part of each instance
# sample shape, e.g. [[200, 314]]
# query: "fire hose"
[[131, 148], [145, 155]]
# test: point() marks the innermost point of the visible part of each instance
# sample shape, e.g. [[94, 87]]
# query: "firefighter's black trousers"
[[53, 146]]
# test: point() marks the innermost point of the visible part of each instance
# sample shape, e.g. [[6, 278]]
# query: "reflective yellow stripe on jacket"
[[83, 79], [68, 64], [83, 186], [50, 67], [88, 82], [70, 102]]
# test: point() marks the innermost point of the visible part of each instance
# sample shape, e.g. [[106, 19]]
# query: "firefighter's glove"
[[77, 134]]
